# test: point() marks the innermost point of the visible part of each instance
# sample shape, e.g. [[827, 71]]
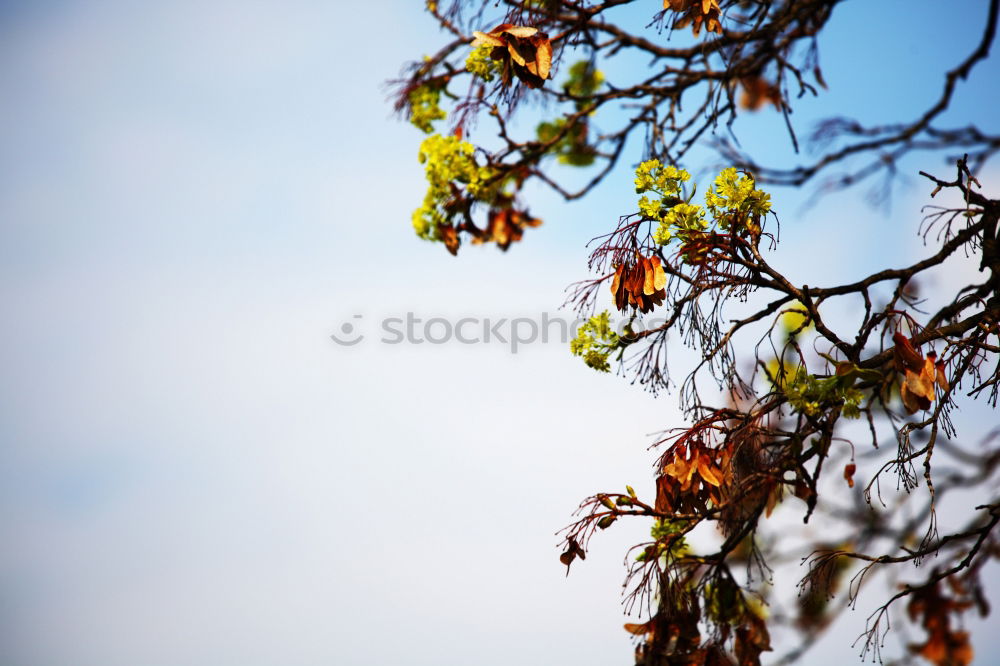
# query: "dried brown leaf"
[[849, 470]]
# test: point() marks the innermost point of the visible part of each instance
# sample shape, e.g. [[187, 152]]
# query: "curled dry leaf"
[[682, 471], [777, 491], [696, 13], [944, 646], [907, 357], [920, 375], [751, 639], [506, 226], [920, 386], [524, 52], [640, 629], [942, 381], [655, 277], [693, 476], [707, 471], [641, 285], [758, 91], [849, 470], [449, 236], [573, 551], [939, 377]]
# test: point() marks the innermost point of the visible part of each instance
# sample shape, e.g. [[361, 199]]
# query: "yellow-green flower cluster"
[[481, 64], [735, 196], [666, 206], [806, 393], [650, 208], [595, 340], [448, 160], [733, 200], [679, 218], [584, 80], [651, 176], [663, 532], [795, 320], [424, 108], [572, 148]]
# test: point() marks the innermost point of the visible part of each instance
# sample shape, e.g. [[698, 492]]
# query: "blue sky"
[[193, 196]]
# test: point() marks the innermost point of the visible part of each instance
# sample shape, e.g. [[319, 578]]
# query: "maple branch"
[[896, 134]]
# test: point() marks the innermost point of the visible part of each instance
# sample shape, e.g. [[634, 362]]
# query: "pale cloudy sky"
[[193, 196]]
